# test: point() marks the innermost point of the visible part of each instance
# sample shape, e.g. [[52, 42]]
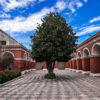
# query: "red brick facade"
[[20, 62], [85, 59], [87, 56]]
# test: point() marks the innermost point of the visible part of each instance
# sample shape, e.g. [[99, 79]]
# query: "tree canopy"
[[53, 39]]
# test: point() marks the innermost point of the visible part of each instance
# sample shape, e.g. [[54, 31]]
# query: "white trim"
[[79, 71], [33, 69], [22, 59], [86, 44], [16, 49], [70, 69], [67, 68], [93, 48], [44, 69], [95, 74], [85, 72], [73, 70], [8, 52]]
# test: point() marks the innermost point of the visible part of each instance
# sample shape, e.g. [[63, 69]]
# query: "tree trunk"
[[50, 67]]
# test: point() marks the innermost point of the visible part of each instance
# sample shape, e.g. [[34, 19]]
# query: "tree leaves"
[[53, 39]]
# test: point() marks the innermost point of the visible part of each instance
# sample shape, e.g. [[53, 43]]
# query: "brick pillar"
[[67, 64], [33, 64], [44, 65], [79, 65], [86, 64], [72, 64], [56, 64], [75, 64], [95, 65], [26, 65]]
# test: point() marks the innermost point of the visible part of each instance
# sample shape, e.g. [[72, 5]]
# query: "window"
[[3, 42]]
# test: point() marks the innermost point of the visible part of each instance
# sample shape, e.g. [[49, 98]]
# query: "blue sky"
[[19, 18]]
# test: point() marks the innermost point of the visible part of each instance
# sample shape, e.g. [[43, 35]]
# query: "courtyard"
[[68, 85]]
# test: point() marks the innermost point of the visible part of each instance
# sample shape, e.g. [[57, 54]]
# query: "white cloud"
[[41, 0], [60, 5], [4, 15], [85, 0], [72, 5], [95, 19], [12, 4], [88, 29], [79, 4], [25, 24], [22, 24]]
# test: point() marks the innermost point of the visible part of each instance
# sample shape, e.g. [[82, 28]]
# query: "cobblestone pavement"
[[67, 86]]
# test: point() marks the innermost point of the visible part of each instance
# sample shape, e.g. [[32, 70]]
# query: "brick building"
[[86, 59], [9, 46]]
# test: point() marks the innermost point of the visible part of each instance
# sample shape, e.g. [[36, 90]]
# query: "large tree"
[[53, 40]]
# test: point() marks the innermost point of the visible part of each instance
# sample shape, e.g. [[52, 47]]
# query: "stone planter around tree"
[[39, 65], [61, 65]]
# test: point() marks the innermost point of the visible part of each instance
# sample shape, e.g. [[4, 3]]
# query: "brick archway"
[[79, 55], [86, 52], [7, 60], [9, 53], [96, 49], [79, 61], [95, 59], [86, 61]]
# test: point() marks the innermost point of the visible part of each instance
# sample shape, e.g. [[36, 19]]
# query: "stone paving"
[[67, 86]]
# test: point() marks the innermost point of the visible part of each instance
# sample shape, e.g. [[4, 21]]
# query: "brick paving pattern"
[[67, 86]]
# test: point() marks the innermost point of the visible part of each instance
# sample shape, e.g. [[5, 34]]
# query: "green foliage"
[[8, 75], [50, 76], [53, 39]]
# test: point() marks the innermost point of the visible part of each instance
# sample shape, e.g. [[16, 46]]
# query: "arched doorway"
[[95, 59], [96, 50], [79, 62], [86, 52], [79, 55], [74, 62], [86, 61], [6, 60]]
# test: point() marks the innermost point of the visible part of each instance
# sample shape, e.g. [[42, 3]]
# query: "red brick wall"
[[86, 64], [79, 64], [95, 64]]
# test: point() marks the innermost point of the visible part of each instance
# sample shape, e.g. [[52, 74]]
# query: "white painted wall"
[[9, 40]]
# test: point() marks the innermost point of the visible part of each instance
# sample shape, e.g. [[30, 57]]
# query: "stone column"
[[86, 65], [79, 65], [95, 65]]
